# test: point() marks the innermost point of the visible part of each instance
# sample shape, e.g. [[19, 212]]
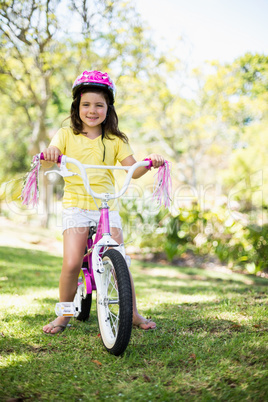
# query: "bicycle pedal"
[[65, 309]]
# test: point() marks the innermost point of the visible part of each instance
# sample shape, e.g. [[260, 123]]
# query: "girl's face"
[[92, 110]]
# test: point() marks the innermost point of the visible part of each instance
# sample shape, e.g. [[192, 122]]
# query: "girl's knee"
[[71, 266], [117, 234]]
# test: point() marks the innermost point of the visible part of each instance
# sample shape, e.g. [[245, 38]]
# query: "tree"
[[201, 132], [27, 61], [39, 60], [239, 92], [188, 129]]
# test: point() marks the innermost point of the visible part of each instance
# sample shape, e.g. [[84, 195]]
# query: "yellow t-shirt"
[[89, 152]]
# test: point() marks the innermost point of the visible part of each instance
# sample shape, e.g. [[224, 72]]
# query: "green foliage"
[[14, 142], [253, 73], [245, 178], [233, 238], [243, 247]]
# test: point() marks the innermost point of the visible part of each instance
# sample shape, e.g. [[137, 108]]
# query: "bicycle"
[[104, 268]]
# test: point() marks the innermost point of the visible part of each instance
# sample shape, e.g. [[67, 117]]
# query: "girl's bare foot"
[[142, 323], [58, 325]]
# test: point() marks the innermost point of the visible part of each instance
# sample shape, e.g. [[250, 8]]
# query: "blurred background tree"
[[45, 45]]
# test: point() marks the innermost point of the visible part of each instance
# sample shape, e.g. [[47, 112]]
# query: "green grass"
[[210, 345]]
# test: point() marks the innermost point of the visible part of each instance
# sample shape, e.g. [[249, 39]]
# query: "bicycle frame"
[[95, 248]]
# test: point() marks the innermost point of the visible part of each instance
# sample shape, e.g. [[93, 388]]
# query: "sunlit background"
[[210, 29], [192, 81]]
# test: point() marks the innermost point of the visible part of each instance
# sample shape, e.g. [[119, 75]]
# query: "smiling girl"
[[93, 138]]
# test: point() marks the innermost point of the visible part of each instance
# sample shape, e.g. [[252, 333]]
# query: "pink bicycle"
[[104, 268]]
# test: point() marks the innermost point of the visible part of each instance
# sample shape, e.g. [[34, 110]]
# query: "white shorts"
[[83, 218]]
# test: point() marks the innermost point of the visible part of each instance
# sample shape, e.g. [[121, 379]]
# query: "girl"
[[93, 138]]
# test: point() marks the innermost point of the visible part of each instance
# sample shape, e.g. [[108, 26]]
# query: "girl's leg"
[[74, 243], [138, 319]]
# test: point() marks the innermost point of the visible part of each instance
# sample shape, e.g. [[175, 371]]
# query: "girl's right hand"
[[51, 154]]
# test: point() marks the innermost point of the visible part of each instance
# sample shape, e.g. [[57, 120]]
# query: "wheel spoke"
[[112, 296], [112, 283], [114, 319]]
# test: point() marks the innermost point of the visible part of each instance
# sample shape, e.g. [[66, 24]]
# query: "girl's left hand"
[[157, 160]]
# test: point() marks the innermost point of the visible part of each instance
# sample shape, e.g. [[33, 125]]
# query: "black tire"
[[114, 308], [85, 300], [85, 308]]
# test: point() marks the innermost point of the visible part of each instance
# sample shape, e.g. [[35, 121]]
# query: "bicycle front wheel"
[[114, 303]]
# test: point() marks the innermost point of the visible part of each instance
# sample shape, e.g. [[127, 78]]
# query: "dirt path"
[[13, 234]]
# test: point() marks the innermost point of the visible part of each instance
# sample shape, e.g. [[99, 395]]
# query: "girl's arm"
[[157, 160]]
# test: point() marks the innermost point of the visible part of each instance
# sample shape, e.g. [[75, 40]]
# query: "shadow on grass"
[[191, 281], [200, 274], [21, 269]]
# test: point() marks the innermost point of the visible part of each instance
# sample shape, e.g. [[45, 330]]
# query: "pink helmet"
[[95, 79]]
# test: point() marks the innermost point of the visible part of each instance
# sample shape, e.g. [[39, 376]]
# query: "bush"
[[206, 233]]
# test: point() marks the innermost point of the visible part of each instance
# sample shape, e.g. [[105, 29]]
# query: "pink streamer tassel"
[[162, 191], [30, 191]]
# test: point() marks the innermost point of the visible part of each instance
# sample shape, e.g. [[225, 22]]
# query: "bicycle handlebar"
[[63, 159], [42, 158]]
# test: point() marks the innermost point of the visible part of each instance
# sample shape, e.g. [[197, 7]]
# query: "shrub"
[[211, 232]]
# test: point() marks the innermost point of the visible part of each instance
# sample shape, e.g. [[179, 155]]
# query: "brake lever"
[[63, 172]]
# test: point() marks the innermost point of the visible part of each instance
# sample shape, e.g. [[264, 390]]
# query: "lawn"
[[210, 343]]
